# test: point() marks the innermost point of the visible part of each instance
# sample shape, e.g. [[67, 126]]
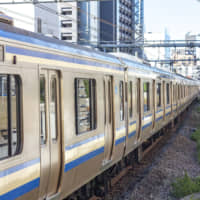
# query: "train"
[[71, 115]]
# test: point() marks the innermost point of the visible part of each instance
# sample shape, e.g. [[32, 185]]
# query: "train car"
[[70, 115]]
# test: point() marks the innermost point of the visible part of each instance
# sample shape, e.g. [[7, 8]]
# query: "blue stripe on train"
[[159, 110], [83, 159], [147, 116], [120, 140], [14, 194], [168, 113], [84, 142], [146, 125], [159, 118], [132, 134], [134, 122], [19, 167], [26, 52], [52, 45]]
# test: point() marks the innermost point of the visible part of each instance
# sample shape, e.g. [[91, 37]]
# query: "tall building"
[[122, 22], [89, 22], [58, 20]]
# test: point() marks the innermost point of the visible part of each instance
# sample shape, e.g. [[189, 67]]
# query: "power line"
[[7, 2], [29, 17], [92, 28], [37, 2]]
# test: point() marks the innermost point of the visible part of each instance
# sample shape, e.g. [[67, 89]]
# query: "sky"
[[177, 16]]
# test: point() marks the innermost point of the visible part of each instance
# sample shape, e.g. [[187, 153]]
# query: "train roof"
[[14, 33], [10, 32]]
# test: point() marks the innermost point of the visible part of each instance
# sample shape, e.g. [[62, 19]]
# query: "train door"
[[164, 100], [50, 132], [171, 96], [108, 117], [154, 103], [139, 109]]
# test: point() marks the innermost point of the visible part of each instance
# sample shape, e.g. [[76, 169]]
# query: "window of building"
[[66, 23], [10, 130], [130, 89], [66, 11], [66, 36], [39, 25], [146, 96], [158, 94], [121, 96], [85, 103], [167, 93]]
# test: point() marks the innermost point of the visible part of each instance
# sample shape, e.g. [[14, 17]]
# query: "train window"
[[174, 93], [85, 102], [121, 95], [158, 94], [53, 108], [43, 110], [130, 99], [181, 92], [10, 138], [167, 93], [146, 97]]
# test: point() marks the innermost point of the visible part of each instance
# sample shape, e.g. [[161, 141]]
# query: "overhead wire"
[[90, 15], [41, 6]]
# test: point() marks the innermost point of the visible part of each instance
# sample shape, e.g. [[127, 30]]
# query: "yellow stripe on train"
[[132, 128], [160, 114], [19, 178], [147, 120], [77, 152], [120, 133]]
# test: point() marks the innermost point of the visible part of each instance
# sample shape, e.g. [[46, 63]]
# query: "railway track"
[[135, 172]]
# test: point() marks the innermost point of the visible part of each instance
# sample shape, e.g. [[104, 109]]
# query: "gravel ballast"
[[174, 159], [178, 157]]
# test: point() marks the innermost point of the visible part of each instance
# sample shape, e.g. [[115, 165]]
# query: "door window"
[[53, 108], [121, 96], [167, 93], [43, 134], [130, 89], [146, 97], [158, 94]]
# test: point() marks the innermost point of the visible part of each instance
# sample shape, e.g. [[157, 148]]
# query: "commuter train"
[[70, 114]]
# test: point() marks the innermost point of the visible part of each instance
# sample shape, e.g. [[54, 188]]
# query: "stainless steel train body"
[[68, 113]]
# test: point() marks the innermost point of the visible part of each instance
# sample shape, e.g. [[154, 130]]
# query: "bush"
[[198, 109], [196, 137], [185, 186]]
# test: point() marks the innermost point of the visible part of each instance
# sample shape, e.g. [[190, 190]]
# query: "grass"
[[196, 137], [198, 109], [185, 186]]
